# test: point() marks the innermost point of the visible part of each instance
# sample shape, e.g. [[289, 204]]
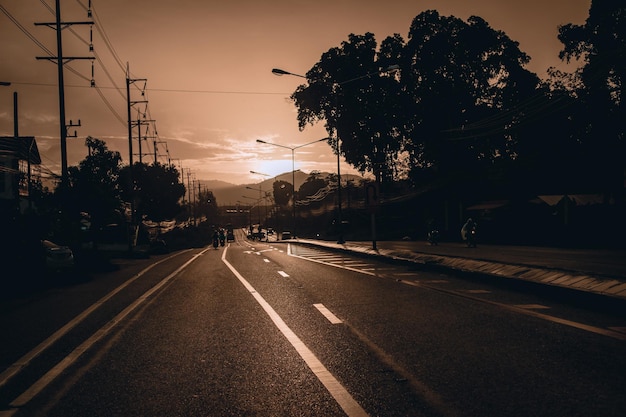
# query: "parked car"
[[285, 235], [158, 246], [57, 258]]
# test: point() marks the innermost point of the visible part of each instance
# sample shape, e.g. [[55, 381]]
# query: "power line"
[[111, 109], [105, 38], [218, 91], [25, 31]]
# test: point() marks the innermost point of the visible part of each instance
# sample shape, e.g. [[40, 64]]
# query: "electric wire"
[[25, 31]]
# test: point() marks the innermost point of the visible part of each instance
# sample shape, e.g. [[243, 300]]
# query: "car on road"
[[57, 258], [285, 235]]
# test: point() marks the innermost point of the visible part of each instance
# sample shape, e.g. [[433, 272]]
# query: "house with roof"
[[18, 157]]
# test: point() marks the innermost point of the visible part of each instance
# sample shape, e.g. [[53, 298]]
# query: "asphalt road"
[[272, 329]]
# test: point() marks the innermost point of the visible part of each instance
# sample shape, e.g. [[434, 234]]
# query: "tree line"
[[458, 100], [101, 191], [461, 101]]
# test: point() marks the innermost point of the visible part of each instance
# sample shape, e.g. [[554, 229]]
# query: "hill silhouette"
[[228, 194]]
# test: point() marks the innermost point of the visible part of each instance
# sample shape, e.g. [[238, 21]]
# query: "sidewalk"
[[598, 272]]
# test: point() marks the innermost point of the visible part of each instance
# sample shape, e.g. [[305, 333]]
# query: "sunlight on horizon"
[[272, 168]]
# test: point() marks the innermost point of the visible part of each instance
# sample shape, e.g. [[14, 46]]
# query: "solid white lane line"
[[283, 274], [38, 386], [528, 312], [327, 313], [25, 360], [334, 387]]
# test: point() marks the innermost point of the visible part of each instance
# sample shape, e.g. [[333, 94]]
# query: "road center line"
[[334, 387], [327, 313]]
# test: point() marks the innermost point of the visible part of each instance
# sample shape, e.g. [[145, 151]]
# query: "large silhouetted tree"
[[356, 100], [601, 45], [469, 92], [461, 93]]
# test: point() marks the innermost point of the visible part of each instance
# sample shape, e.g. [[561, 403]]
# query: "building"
[[18, 157]]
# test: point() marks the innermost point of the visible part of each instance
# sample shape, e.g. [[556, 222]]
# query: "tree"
[[454, 107], [282, 193], [601, 45], [157, 190], [311, 186], [467, 84], [93, 186], [347, 90], [207, 206]]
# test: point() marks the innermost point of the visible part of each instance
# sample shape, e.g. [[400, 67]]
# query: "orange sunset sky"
[[208, 67]]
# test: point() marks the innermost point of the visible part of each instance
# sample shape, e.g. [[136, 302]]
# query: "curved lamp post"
[[278, 71], [267, 195], [293, 170], [258, 202], [259, 206]]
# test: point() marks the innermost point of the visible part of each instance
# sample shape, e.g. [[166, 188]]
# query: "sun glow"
[[273, 167]]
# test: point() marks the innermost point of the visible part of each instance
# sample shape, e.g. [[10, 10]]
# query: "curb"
[[569, 280]]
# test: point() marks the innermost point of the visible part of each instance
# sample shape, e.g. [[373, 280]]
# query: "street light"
[[293, 166], [259, 206], [278, 71], [267, 194], [250, 211]]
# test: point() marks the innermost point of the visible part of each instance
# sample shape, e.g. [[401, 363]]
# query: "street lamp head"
[[5, 83], [260, 173], [260, 141], [278, 71]]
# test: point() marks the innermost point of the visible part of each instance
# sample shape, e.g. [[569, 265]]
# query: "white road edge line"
[[334, 387], [283, 274], [25, 360], [327, 313], [525, 311], [38, 386]]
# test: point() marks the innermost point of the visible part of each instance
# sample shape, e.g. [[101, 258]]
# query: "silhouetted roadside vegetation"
[[449, 122], [464, 123]]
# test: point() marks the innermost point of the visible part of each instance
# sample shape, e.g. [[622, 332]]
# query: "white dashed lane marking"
[[327, 313]]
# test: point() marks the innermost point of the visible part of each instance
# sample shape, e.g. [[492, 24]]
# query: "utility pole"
[[58, 25], [156, 153], [140, 123], [190, 194], [131, 180]]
